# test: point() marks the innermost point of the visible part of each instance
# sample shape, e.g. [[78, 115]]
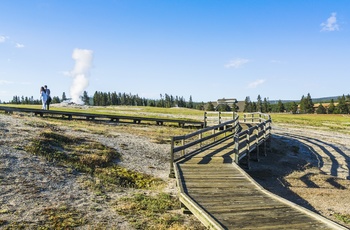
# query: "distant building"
[[229, 101]]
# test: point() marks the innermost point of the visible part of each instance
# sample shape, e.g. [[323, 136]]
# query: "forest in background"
[[327, 105]]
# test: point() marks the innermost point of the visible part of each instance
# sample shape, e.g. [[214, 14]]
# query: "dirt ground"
[[306, 166], [310, 168]]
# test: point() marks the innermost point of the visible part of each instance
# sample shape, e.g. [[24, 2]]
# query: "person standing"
[[43, 97], [48, 97]]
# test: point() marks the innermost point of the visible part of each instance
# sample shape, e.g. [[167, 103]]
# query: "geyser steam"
[[80, 73]]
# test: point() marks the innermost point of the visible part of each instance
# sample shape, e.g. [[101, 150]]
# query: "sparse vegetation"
[[89, 157], [343, 218], [152, 212], [62, 217]]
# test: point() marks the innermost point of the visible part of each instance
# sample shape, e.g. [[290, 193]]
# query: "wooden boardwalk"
[[223, 196], [101, 117]]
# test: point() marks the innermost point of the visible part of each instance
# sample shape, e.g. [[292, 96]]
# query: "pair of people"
[[45, 97]]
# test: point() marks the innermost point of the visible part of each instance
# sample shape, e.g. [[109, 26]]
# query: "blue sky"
[[207, 49]]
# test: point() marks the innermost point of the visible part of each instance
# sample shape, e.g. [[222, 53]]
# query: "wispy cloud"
[[2, 39], [18, 45], [331, 24], [237, 63], [256, 83], [7, 39]]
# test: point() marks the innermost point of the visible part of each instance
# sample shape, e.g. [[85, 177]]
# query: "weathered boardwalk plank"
[[227, 194]]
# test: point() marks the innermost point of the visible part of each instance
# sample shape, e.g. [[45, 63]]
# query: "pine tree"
[[64, 96], [321, 109], [303, 105], [306, 104], [331, 107], [247, 105], [310, 104], [259, 104], [266, 106], [294, 107], [190, 103], [280, 107], [85, 98], [342, 107]]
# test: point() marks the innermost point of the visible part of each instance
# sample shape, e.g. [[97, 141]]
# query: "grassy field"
[[331, 122], [328, 122]]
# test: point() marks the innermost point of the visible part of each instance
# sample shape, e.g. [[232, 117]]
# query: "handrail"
[[231, 126], [251, 139], [244, 142], [94, 116], [252, 117]]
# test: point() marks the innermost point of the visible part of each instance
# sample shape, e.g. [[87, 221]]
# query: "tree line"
[[165, 101], [114, 98], [305, 106]]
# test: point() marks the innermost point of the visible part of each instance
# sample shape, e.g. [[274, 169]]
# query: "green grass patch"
[[138, 111], [62, 217], [343, 218], [334, 122], [151, 212]]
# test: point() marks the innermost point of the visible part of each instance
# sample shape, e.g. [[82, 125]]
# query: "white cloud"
[[331, 24], [237, 63], [2, 38], [18, 45], [256, 83]]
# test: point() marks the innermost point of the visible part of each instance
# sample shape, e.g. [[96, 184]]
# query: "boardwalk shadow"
[[324, 146], [226, 157], [290, 153]]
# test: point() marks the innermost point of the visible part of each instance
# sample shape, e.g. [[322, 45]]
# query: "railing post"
[[172, 173], [183, 152], [248, 148], [205, 119], [236, 150], [244, 118], [200, 137], [257, 144], [265, 152]]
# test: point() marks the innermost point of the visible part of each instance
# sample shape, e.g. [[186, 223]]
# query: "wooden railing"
[[217, 117], [244, 141], [251, 138], [190, 144], [102, 117], [255, 117]]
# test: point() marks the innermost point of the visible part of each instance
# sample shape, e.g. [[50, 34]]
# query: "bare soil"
[[310, 168], [306, 166]]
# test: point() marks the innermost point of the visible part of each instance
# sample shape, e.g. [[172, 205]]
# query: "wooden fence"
[[102, 117], [245, 142], [190, 144]]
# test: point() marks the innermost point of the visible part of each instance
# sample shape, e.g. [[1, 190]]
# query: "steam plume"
[[80, 73]]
